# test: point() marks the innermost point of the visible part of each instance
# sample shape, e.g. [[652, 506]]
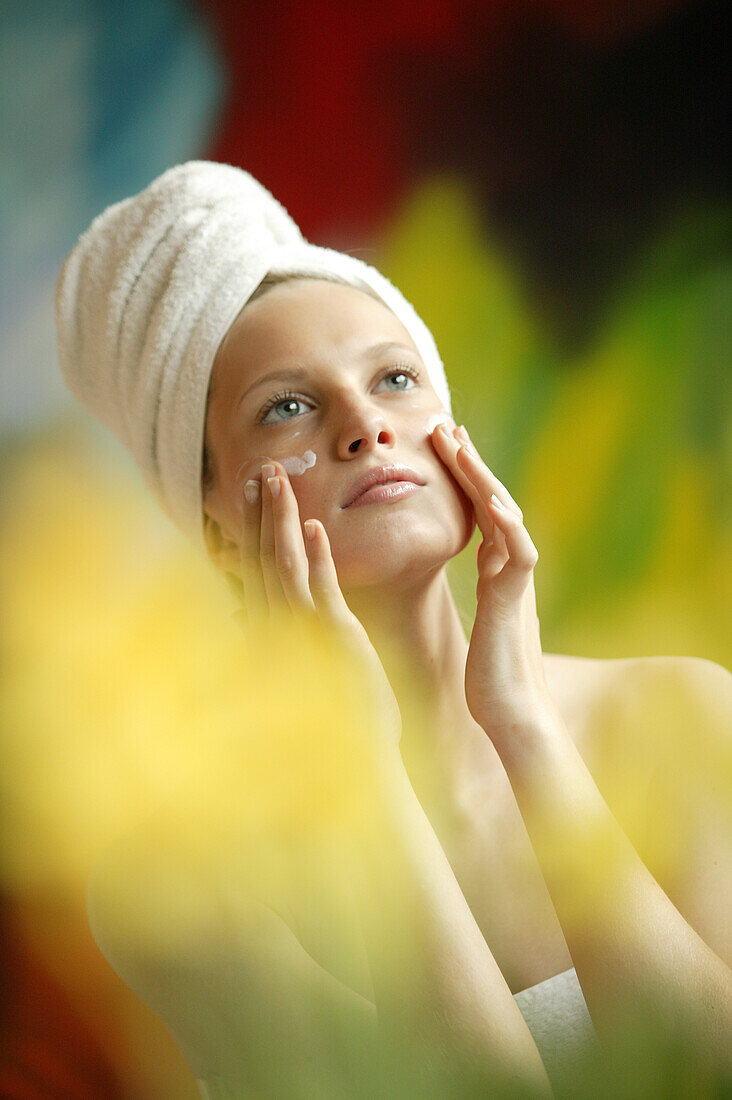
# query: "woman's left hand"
[[505, 684]]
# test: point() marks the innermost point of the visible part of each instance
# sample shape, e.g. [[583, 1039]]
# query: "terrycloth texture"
[[557, 1017], [147, 294]]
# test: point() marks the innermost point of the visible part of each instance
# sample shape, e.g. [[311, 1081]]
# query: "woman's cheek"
[[249, 470], [467, 512], [308, 496]]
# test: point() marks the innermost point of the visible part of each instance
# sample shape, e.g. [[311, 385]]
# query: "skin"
[[500, 709], [390, 560], [387, 557], [356, 414], [350, 416]]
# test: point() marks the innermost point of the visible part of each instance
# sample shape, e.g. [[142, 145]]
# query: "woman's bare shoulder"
[[599, 668], [654, 733], [601, 697]]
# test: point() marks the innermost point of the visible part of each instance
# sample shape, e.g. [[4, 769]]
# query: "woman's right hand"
[[288, 576], [287, 569], [413, 921]]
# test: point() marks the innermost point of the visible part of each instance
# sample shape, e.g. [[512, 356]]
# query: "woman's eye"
[[284, 405], [287, 406], [405, 379]]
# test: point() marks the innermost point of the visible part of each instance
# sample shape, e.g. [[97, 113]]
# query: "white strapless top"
[[555, 1013], [557, 1017]]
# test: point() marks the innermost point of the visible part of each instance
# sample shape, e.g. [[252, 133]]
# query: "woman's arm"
[[658, 745], [442, 1003], [635, 955], [243, 999], [183, 922], [633, 951]]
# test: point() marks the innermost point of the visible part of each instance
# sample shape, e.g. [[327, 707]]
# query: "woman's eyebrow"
[[378, 349], [287, 374]]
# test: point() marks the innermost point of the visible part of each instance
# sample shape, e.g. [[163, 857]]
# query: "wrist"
[[526, 736]]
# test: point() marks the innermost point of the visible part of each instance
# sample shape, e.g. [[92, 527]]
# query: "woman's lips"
[[380, 475], [384, 494]]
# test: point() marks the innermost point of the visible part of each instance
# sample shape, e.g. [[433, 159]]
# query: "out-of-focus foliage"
[[620, 457], [135, 707], [129, 688]]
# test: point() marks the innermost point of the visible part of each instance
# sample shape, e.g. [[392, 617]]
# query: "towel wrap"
[[148, 293]]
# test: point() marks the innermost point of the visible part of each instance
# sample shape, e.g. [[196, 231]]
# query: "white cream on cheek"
[[442, 417], [295, 465]]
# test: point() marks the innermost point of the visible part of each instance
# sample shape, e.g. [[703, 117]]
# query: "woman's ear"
[[223, 551]]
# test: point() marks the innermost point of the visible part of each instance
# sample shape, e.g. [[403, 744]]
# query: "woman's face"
[[318, 367]]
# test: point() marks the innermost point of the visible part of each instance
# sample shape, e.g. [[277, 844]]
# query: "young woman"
[[335, 486]]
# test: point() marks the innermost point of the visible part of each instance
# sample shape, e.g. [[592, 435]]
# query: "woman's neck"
[[422, 645]]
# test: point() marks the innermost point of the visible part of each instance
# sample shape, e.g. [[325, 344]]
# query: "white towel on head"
[[149, 291]]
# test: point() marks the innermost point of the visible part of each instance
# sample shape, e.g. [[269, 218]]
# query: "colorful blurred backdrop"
[[547, 182]]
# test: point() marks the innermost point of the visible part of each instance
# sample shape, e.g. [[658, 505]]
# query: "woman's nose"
[[363, 430]]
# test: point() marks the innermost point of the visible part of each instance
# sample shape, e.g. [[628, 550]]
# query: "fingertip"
[[316, 538], [250, 491]]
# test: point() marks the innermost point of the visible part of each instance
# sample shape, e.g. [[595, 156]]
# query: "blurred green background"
[[546, 182]]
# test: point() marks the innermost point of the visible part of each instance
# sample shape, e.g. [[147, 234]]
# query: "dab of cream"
[[295, 465], [438, 418]]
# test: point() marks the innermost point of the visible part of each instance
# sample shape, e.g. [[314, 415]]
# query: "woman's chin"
[[393, 555]]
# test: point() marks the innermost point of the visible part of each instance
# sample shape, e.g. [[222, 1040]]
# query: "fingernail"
[[497, 503], [268, 471], [309, 526], [462, 434], [251, 492], [274, 486]]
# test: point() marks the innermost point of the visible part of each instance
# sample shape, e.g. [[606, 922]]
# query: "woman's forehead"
[[295, 321]]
